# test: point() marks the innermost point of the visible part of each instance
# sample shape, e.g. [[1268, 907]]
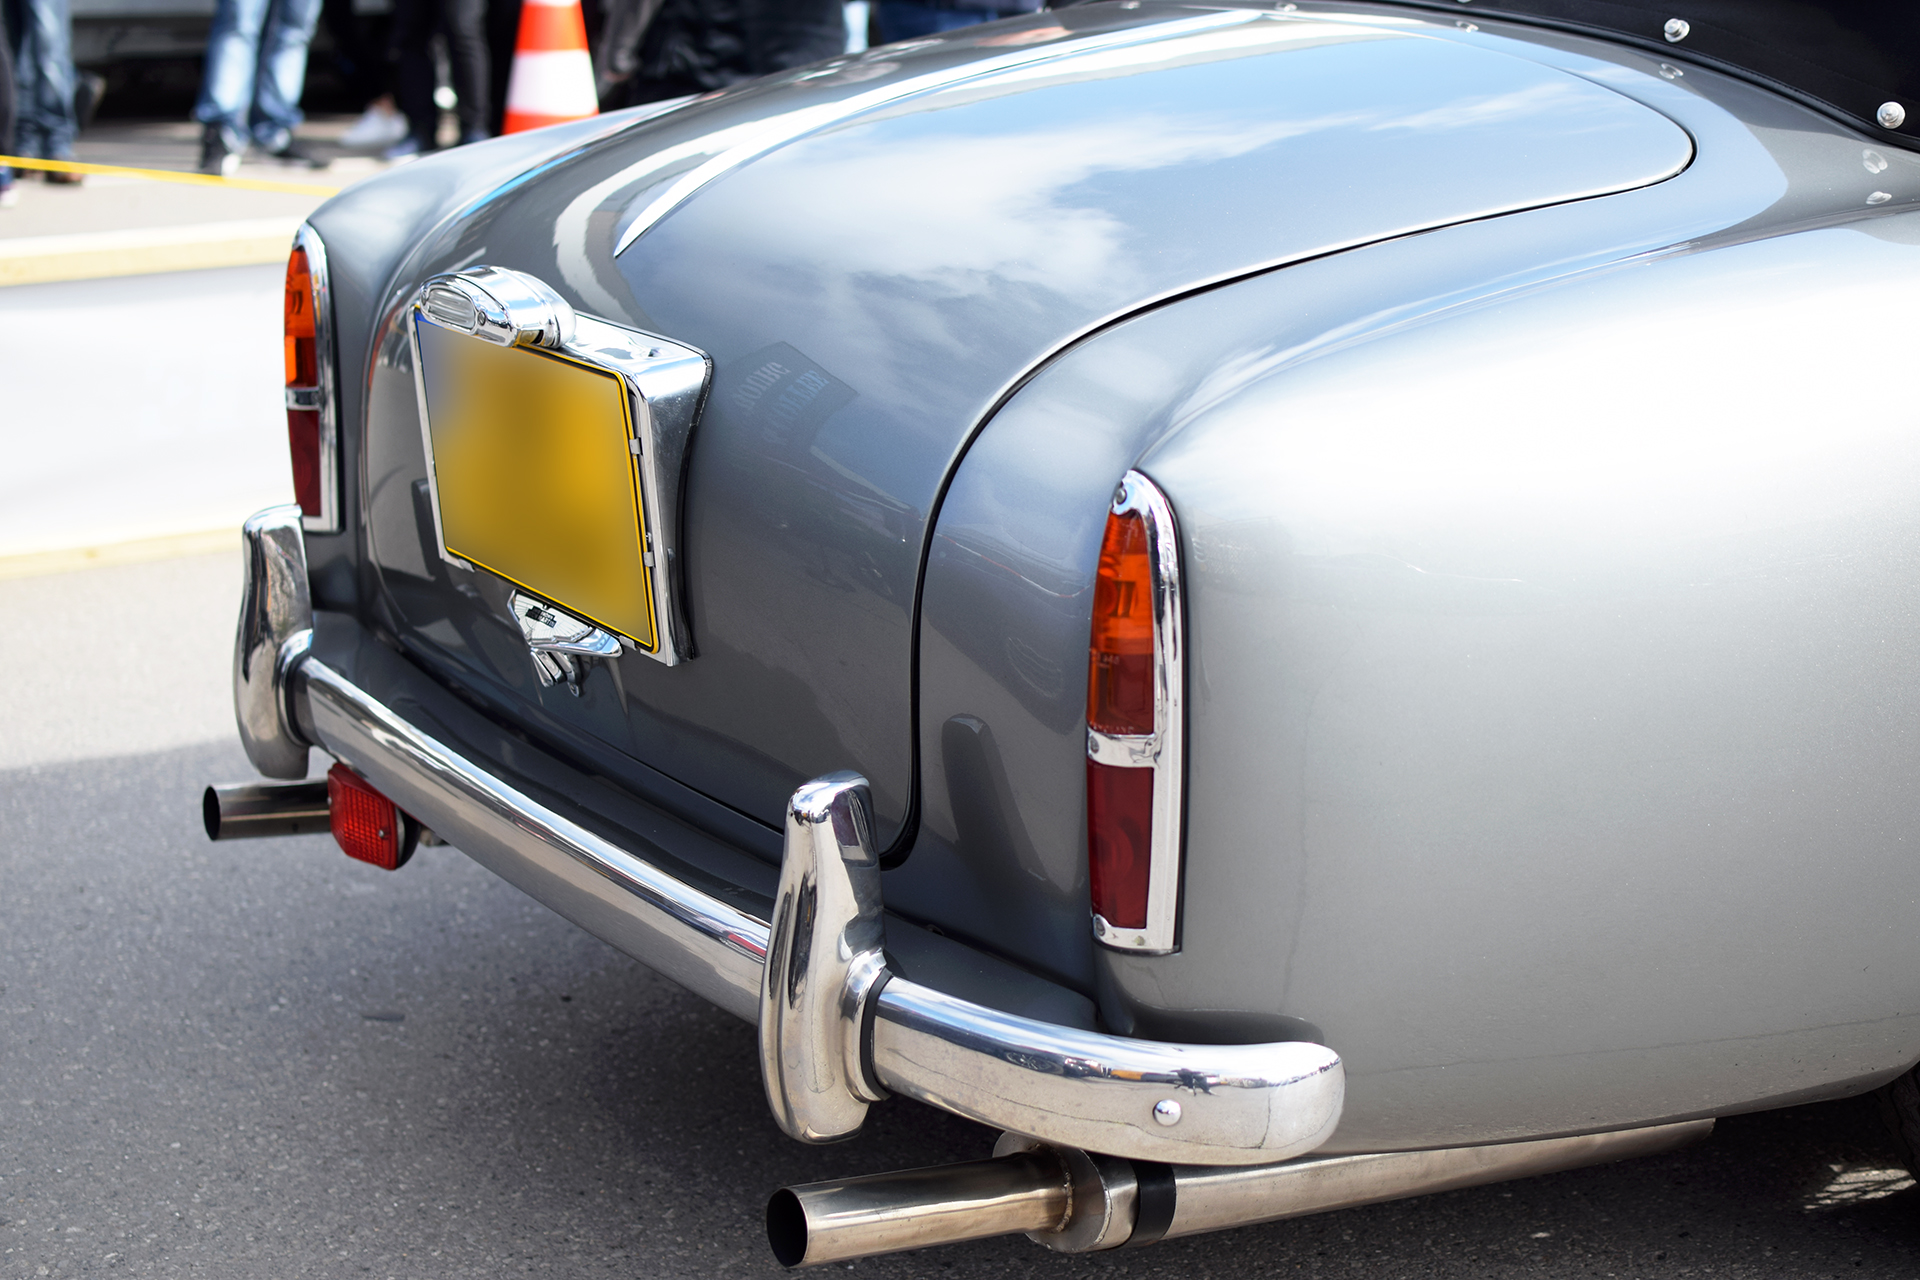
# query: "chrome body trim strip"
[[323, 394], [734, 147], [1075, 1202], [1213, 1199], [1164, 750], [276, 624]]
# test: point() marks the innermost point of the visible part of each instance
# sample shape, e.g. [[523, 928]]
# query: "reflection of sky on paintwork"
[[926, 259], [973, 204]]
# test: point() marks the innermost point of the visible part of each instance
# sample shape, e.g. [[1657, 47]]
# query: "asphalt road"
[[259, 1059], [139, 406]]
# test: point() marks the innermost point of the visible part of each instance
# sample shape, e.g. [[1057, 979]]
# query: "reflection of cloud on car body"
[[965, 213]]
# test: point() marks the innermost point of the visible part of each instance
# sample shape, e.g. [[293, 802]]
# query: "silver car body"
[[1538, 417]]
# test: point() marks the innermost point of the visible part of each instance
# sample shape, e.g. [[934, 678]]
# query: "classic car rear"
[[1195, 583]]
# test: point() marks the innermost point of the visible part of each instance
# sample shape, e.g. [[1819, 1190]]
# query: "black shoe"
[[216, 157], [64, 178], [88, 88], [294, 151]]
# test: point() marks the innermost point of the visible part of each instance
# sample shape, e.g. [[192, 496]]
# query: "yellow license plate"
[[535, 476]]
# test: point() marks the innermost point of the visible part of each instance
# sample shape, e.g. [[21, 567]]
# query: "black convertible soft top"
[[1856, 59]]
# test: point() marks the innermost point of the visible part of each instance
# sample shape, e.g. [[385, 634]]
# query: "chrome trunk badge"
[[563, 646]]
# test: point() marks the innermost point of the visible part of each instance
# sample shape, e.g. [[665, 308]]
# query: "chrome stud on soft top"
[[1891, 115], [1676, 30]]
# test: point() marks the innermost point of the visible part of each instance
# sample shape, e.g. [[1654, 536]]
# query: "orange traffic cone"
[[552, 80]]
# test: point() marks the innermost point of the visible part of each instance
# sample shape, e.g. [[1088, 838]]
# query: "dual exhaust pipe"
[[1078, 1202]]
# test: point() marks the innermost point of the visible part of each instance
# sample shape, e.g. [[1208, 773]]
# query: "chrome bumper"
[[837, 1031]]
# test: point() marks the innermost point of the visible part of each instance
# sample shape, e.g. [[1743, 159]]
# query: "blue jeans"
[[256, 68], [43, 78], [905, 20]]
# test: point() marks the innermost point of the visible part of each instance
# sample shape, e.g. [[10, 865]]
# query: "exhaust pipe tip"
[[787, 1228], [210, 813], [245, 810], [888, 1212]]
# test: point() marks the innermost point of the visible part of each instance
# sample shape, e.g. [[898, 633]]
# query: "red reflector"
[[366, 824], [1120, 672], [1120, 842], [303, 372]]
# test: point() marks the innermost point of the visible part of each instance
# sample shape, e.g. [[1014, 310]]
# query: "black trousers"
[[362, 61], [464, 24], [6, 90]]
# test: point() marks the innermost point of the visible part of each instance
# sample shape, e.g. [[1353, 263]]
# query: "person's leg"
[[791, 33], [413, 70], [283, 72], [43, 88], [503, 29], [465, 24], [7, 194], [905, 20], [226, 86]]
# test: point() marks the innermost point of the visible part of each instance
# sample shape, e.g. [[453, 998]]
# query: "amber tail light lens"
[[303, 384], [1120, 673], [366, 824]]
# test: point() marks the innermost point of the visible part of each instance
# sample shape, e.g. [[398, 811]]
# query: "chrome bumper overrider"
[[837, 1031]]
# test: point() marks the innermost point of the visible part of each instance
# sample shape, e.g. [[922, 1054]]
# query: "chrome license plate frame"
[[660, 385]]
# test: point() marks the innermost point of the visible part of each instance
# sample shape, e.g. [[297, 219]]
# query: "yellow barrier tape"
[[172, 175]]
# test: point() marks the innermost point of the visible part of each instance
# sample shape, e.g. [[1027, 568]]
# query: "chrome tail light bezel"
[[323, 395], [1163, 750]]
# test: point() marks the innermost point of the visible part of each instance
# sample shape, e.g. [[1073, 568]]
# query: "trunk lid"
[[930, 222]]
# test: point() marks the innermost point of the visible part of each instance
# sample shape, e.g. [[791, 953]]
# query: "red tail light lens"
[[1120, 675], [1120, 842], [366, 824], [303, 383]]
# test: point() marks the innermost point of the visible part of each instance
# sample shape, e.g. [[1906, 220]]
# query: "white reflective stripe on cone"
[[553, 84]]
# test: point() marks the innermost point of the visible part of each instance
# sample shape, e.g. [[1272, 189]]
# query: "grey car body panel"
[[1550, 591], [871, 313]]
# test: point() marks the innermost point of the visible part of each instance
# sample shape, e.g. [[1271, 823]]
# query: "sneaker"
[[408, 148], [294, 151], [216, 157], [9, 194], [88, 88], [378, 128]]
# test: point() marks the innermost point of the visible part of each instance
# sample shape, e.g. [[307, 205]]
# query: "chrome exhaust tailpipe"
[[1076, 1202], [887, 1212], [246, 809]]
